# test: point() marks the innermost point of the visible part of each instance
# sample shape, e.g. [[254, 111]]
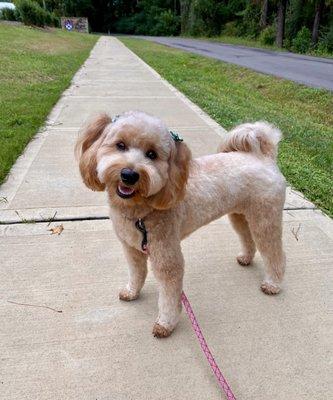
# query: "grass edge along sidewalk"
[[36, 66], [256, 44], [231, 95]]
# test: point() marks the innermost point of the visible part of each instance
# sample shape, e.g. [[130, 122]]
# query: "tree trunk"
[[316, 22], [264, 14], [281, 16], [185, 6]]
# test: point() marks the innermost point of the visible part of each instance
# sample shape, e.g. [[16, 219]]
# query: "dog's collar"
[[140, 225]]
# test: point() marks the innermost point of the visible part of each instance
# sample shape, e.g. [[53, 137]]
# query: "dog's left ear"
[[86, 151], [174, 190]]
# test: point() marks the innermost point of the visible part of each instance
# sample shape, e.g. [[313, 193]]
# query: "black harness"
[[140, 225]]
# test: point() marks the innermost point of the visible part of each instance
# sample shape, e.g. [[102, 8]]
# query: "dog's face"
[[135, 159]]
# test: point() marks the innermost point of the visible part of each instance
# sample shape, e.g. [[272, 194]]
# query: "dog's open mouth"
[[125, 192]]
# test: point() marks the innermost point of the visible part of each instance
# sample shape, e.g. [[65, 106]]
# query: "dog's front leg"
[[137, 264], [168, 267]]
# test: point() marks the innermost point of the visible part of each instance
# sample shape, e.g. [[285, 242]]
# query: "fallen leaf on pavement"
[[57, 229]]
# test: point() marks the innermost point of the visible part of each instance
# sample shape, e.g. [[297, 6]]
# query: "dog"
[[159, 195]]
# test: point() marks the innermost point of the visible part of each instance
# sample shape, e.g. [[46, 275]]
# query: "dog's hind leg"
[[266, 228], [241, 226], [137, 264]]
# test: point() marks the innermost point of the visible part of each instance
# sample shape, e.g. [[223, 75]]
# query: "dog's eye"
[[151, 154], [121, 146]]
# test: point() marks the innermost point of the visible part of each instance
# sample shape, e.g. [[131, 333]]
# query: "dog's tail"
[[259, 138]]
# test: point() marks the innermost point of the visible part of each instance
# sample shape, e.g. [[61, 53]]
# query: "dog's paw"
[[244, 260], [127, 295], [270, 288], [160, 331]]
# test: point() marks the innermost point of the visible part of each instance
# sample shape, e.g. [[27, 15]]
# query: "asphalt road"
[[310, 71]]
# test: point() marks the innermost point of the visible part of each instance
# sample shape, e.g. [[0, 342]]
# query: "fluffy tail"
[[259, 138]]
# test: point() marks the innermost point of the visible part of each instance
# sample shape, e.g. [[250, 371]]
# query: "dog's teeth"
[[125, 190]]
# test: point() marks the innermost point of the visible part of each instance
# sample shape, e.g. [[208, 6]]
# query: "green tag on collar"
[[176, 137]]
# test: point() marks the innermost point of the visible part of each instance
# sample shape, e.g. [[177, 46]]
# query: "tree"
[[185, 10], [264, 14], [205, 17], [318, 12], [281, 16], [296, 17]]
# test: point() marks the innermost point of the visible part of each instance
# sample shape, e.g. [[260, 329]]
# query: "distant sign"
[[75, 24], [69, 25]]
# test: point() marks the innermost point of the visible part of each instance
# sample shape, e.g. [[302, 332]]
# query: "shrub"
[[55, 21], [268, 35], [9, 14], [206, 16], [249, 26], [157, 22], [31, 13], [126, 25], [230, 29], [167, 24], [302, 41], [325, 44], [287, 44], [51, 19]]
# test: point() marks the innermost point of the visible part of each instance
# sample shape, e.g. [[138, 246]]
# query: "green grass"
[[232, 95], [247, 42], [36, 67], [241, 41]]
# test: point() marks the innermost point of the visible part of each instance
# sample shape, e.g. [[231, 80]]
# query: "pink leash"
[[219, 376]]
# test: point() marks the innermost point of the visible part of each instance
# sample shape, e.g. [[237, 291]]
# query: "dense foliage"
[[31, 13], [9, 14], [286, 23]]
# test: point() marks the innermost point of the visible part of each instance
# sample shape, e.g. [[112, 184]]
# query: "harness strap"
[[140, 225]]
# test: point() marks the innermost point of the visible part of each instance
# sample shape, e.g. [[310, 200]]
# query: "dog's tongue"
[[125, 190]]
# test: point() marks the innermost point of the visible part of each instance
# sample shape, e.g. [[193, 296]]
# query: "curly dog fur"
[[149, 175]]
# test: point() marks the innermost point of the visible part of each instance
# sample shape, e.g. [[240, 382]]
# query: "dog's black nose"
[[129, 176]]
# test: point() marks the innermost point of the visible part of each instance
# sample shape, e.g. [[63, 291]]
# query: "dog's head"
[[135, 158]]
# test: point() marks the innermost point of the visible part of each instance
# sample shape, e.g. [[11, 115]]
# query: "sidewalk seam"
[[98, 217]]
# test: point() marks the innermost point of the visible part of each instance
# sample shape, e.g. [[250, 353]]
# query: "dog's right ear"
[[86, 151]]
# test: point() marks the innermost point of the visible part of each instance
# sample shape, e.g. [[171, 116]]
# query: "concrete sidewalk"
[[100, 348]]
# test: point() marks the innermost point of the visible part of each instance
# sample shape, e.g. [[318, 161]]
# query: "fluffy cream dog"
[[159, 195]]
